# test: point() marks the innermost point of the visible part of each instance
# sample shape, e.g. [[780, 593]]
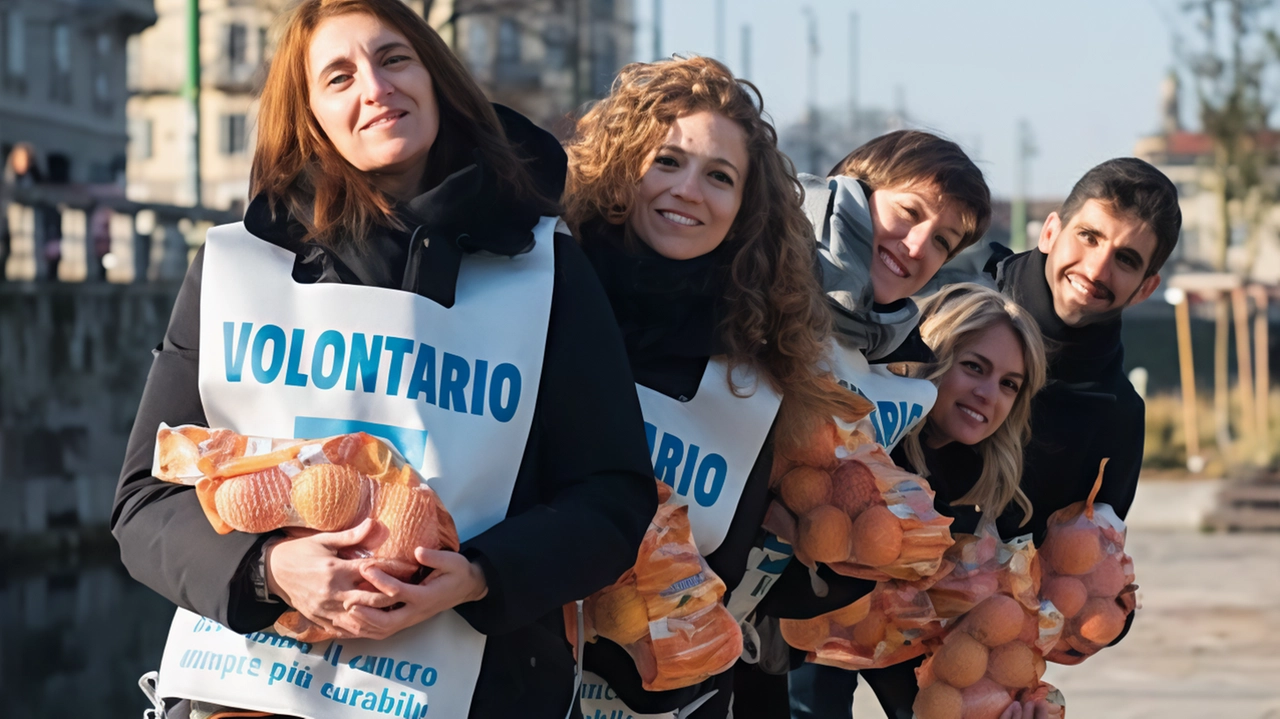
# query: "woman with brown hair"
[[401, 217], [692, 218]]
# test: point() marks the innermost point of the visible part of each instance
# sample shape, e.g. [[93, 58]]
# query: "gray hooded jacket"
[[837, 208]]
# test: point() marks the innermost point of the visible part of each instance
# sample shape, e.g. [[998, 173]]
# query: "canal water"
[[74, 640]]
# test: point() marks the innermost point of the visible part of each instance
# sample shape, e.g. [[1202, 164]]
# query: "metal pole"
[[1190, 428], [191, 93], [814, 159], [720, 51], [1244, 361], [746, 52], [1261, 347], [1018, 209], [853, 73], [579, 86], [657, 29]]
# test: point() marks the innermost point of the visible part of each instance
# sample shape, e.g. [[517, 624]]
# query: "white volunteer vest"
[[453, 389], [705, 449], [900, 402]]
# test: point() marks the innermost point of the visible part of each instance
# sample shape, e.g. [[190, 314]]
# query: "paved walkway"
[[1206, 643]]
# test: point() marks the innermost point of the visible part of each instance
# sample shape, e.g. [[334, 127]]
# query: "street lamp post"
[[814, 153]]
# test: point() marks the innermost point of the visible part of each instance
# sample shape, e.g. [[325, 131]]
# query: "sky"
[[1085, 74]]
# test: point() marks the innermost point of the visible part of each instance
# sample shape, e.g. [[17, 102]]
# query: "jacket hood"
[[838, 209]]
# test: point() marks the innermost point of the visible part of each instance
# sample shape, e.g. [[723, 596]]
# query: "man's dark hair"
[[1134, 187]]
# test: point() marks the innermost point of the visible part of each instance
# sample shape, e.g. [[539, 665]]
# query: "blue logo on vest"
[[893, 419], [678, 464], [411, 443]]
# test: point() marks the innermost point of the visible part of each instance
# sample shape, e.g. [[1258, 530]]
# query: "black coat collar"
[[1077, 354]]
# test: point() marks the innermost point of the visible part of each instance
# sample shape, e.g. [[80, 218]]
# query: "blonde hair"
[[950, 321], [777, 319]]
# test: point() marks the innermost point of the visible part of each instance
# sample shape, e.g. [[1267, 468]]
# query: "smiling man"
[[1100, 253]]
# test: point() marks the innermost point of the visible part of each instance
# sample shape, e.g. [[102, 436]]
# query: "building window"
[[478, 45], [237, 44], [101, 84], [139, 138], [509, 41], [262, 45], [604, 67], [233, 140], [60, 77], [557, 40], [15, 51], [602, 9]]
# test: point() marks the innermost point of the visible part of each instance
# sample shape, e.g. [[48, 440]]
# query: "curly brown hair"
[[776, 318]]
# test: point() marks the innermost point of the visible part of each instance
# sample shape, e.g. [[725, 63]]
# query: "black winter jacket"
[[669, 313], [584, 492], [1088, 410]]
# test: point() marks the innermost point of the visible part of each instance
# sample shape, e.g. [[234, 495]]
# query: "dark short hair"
[[1135, 187], [909, 157]]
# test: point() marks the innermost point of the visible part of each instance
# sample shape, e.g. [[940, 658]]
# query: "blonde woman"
[[990, 363]]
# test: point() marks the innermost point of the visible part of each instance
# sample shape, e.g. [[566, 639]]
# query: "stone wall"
[[73, 361]]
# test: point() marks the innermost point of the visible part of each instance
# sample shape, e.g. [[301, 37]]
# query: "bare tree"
[[1233, 65]]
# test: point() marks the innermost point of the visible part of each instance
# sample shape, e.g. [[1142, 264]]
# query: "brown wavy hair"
[[296, 165], [777, 321]]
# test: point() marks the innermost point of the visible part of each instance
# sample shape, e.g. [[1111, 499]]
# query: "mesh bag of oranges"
[[997, 632], [854, 510], [888, 626], [258, 484], [666, 610], [1087, 576]]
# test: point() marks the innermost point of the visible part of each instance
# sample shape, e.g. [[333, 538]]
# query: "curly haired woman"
[[693, 220]]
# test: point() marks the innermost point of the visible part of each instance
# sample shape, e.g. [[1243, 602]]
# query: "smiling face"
[[1097, 263], [976, 394], [915, 230], [690, 194], [373, 98]]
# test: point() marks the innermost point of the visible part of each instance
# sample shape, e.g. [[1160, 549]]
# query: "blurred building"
[[234, 48], [541, 57], [62, 83], [816, 148], [1186, 157]]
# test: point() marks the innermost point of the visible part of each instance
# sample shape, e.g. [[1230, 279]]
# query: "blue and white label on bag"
[[900, 402], [453, 390], [705, 448]]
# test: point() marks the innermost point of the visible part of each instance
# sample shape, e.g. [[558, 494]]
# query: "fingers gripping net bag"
[[1087, 576], [257, 485], [666, 610]]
